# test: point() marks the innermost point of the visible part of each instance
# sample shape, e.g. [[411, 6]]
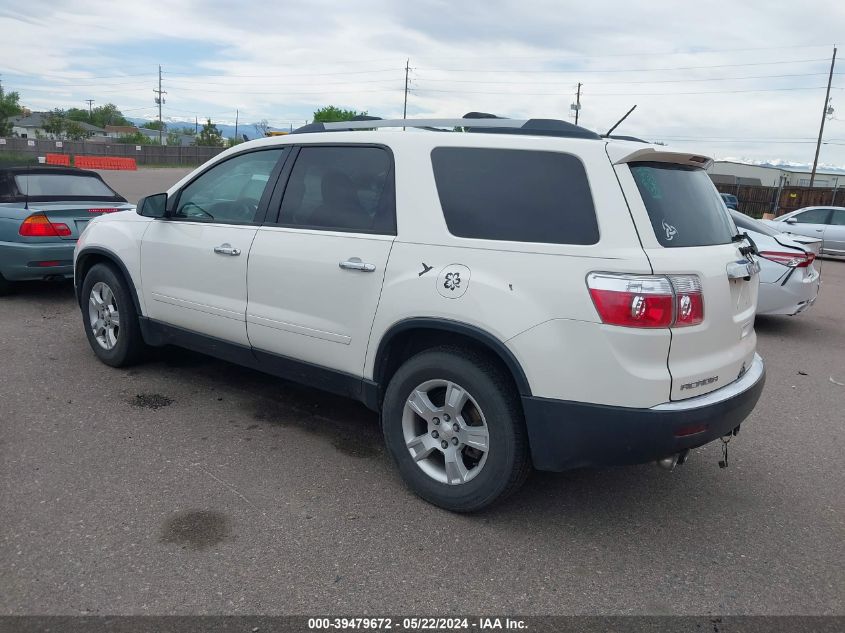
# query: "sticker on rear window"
[[671, 231]]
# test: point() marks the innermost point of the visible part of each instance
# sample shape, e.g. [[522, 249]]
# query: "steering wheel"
[[190, 206], [245, 209]]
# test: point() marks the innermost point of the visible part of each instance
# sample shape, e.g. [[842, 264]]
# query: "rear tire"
[[110, 318], [454, 426]]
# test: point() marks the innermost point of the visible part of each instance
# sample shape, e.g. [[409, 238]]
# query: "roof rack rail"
[[481, 122], [622, 137]]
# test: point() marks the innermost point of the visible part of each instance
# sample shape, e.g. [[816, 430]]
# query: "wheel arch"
[[410, 336], [92, 255]]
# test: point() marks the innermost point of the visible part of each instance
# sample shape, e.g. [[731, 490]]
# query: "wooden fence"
[[756, 200], [143, 154]]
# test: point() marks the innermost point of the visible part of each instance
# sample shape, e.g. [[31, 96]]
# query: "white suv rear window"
[[683, 205], [515, 195]]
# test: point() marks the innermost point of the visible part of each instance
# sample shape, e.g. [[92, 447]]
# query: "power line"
[[632, 54], [621, 83], [617, 94], [267, 76], [622, 70]]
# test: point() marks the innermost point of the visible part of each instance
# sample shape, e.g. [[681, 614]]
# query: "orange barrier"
[[58, 159], [105, 162]]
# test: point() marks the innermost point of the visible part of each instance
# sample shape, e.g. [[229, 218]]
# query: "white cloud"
[[280, 60]]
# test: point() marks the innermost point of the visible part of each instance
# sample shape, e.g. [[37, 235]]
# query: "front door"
[[316, 273], [811, 223], [194, 263]]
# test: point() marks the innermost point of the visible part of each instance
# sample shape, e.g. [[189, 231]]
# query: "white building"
[[729, 172], [32, 126]]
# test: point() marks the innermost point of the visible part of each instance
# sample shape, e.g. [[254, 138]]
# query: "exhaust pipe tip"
[[668, 463]]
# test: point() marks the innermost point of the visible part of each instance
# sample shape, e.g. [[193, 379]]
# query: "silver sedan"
[[824, 223], [789, 282]]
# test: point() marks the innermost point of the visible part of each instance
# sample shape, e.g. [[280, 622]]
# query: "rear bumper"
[[566, 435], [790, 298], [19, 260]]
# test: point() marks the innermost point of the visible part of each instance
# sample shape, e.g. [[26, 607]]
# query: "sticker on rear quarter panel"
[[453, 280]]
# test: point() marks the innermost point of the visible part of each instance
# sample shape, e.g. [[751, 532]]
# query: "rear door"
[[685, 229], [194, 263], [316, 271]]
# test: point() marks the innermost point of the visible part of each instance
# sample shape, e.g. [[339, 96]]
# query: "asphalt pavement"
[[187, 485]]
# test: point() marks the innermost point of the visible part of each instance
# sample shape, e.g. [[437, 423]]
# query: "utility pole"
[[824, 116], [196, 126], [577, 103], [90, 103], [405, 107], [236, 127], [159, 100]]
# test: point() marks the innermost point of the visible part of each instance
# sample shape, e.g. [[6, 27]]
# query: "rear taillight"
[[792, 259], [647, 301], [38, 225]]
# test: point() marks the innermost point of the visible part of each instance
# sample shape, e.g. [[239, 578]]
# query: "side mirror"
[[154, 206], [791, 220]]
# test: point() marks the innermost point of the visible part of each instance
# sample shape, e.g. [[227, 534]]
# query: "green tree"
[[78, 114], [333, 114], [173, 138], [188, 131], [101, 116], [136, 139], [74, 131], [209, 135], [9, 107], [155, 125], [54, 123]]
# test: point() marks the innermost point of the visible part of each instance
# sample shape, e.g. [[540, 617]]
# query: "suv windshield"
[[683, 205]]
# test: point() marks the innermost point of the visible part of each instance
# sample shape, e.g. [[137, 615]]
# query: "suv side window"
[[230, 191], [838, 217], [341, 189], [813, 216], [515, 195]]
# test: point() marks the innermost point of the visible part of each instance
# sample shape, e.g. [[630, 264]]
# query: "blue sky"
[[739, 80]]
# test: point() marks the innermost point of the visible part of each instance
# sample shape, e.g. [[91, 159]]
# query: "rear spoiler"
[[621, 154]]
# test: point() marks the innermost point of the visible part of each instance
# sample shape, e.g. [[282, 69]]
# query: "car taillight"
[[792, 259], [38, 225], [647, 301], [689, 302]]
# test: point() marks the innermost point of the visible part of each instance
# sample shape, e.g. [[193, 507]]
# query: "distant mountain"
[[226, 129], [789, 165]]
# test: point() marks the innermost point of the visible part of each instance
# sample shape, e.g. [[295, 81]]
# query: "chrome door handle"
[[355, 263], [226, 249]]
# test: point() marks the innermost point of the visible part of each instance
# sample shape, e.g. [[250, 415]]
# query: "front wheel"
[[453, 425], [109, 317]]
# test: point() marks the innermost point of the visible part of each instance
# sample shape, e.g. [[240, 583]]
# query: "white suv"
[[535, 295]]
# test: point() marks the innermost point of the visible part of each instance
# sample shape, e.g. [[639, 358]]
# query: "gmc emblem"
[[700, 383]]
